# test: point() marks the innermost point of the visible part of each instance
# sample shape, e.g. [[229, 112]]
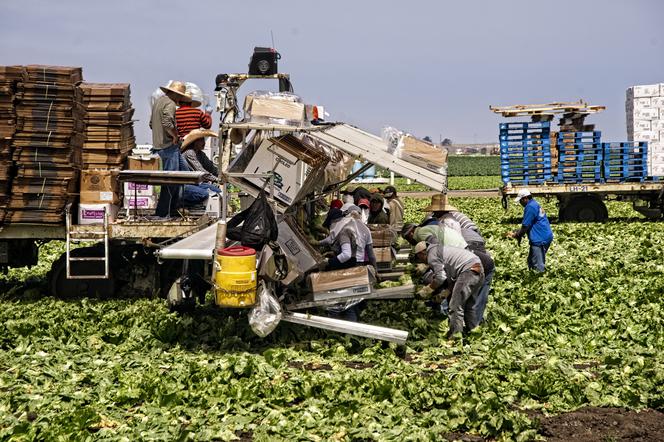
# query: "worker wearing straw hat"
[[166, 142], [194, 156]]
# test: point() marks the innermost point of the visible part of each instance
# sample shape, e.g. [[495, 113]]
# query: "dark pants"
[[169, 196], [537, 257], [462, 315], [197, 193]]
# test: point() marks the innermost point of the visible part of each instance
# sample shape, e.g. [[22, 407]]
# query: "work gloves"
[[425, 292]]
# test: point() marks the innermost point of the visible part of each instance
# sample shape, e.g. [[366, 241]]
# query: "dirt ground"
[[593, 424]]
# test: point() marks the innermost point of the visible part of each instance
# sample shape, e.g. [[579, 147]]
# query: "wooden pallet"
[[580, 107]]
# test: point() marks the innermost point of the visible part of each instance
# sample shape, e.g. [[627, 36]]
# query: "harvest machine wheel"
[[61, 287], [584, 208]]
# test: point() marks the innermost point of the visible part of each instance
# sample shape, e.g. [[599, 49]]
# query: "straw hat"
[[197, 134], [178, 88], [439, 203]]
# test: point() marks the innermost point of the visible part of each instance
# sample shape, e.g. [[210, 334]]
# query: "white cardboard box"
[[657, 124], [131, 189], [642, 103], [637, 125], [140, 202], [657, 102], [646, 135], [290, 171], [646, 114], [646, 90], [94, 213]]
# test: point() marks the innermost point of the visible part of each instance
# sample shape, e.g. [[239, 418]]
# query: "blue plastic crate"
[[525, 124]]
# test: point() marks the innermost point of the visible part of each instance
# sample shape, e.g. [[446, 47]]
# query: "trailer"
[[573, 165]]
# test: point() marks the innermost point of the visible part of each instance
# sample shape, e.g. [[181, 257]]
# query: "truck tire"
[[61, 287], [585, 209]]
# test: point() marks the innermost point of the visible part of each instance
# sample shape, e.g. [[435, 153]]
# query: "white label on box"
[[657, 125], [106, 196]]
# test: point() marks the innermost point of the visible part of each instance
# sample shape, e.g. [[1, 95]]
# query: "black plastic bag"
[[255, 226]]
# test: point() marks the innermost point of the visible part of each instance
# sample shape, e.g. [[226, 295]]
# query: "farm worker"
[[364, 254], [363, 204], [360, 194], [166, 142], [189, 118], [464, 275], [344, 244], [197, 160], [433, 233], [395, 206], [536, 225], [376, 213]]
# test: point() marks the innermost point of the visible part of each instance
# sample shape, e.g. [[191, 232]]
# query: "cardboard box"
[[94, 213], [384, 254], [641, 125], [266, 109], [646, 135], [290, 171], [99, 186], [336, 283], [148, 162], [642, 103], [382, 235], [133, 189], [295, 246], [647, 90], [422, 154], [657, 102], [139, 202], [646, 114]]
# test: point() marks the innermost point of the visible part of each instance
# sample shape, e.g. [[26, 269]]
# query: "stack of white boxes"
[[645, 122]]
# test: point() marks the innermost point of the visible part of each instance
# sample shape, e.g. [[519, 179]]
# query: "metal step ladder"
[[94, 235]]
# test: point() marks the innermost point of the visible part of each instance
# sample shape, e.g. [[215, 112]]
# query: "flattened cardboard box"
[[422, 153], [339, 279]]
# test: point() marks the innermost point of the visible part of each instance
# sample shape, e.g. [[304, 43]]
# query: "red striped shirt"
[[188, 118]]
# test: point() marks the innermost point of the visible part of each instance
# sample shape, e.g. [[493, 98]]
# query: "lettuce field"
[[587, 333]]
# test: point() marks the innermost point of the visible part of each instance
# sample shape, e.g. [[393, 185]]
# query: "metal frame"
[[105, 258]]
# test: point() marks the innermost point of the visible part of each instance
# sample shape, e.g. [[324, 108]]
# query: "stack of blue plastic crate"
[[525, 152], [626, 161], [579, 157]]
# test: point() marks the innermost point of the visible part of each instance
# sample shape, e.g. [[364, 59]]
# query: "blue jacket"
[[536, 224]]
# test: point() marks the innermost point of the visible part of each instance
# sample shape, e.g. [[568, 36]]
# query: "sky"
[[431, 68]]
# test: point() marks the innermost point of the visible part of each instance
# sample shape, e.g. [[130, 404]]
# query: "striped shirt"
[[189, 118], [462, 220]]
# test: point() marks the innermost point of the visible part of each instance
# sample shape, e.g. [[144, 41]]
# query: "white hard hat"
[[522, 194]]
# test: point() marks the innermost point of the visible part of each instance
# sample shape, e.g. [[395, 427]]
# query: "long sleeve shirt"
[[443, 235], [536, 224], [162, 120], [189, 118], [199, 162], [449, 262], [396, 213], [459, 219]]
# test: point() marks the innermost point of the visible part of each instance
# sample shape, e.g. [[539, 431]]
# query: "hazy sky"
[[427, 67]]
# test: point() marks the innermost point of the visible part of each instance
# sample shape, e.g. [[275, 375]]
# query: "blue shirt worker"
[[536, 225]]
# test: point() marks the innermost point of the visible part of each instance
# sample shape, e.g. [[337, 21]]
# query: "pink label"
[[92, 213], [134, 186]]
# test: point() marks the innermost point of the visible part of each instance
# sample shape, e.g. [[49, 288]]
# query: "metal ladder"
[[77, 237]]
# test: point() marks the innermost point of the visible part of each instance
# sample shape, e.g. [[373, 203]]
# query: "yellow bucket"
[[236, 277]]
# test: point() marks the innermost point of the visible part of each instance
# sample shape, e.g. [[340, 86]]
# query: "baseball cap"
[[522, 194]]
